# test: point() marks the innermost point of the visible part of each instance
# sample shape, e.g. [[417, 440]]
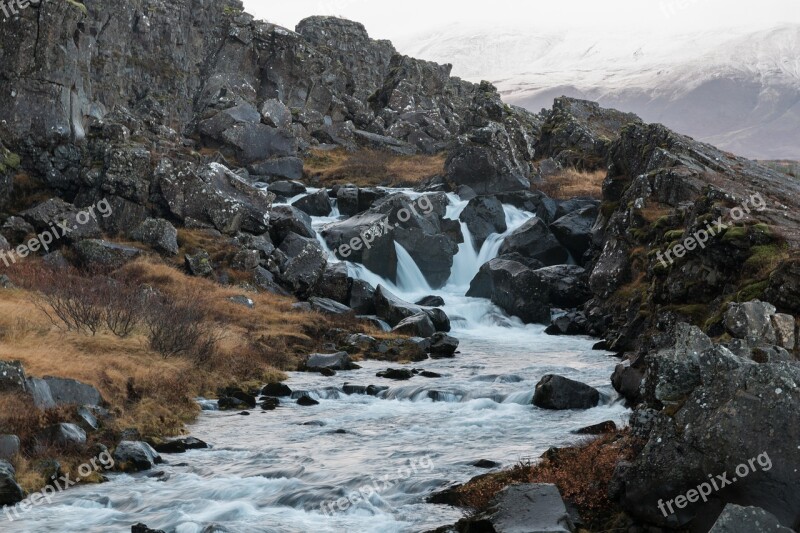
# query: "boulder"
[[558, 392], [394, 310], [328, 306], [216, 125], [199, 264], [627, 381], [568, 285], [514, 288], [305, 266], [265, 280], [397, 374], [347, 201], [570, 323], [536, 202], [731, 411], [523, 508], [431, 301], [159, 234], [535, 240], [278, 390], [442, 345], [738, 519], [135, 456], [365, 239], [274, 113], [63, 434], [270, 404], [40, 391], [10, 492], [484, 215], [362, 297], [257, 142], [609, 426], [180, 445], [335, 361], [9, 447], [12, 377], [93, 253], [316, 204], [287, 189], [73, 392], [485, 170], [142, 528], [751, 321], [56, 211], [290, 168], [418, 325], [574, 231], [286, 219], [214, 195], [612, 270], [307, 401]]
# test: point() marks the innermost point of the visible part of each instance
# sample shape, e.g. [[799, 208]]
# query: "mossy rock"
[[79, 6], [8, 160], [674, 235], [735, 233], [754, 291]]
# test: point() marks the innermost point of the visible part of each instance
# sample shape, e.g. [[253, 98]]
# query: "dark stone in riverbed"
[[431, 301], [270, 404], [427, 374], [180, 445], [327, 372], [278, 390], [558, 392], [307, 401], [485, 463], [374, 390], [398, 374], [442, 345], [597, 429], [141, 528]]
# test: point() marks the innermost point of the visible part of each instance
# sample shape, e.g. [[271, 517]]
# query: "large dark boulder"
[[574, 231], [558, 392], [12, 377], [442, 345], [522, 508], [10, 492], [738, 519], [335, 361], [290, 168], [483, 216], [535, 240], [63, 435], [394, 310], [514, 288], [285, 219], [568, 285], [364, 239], [305, 265], [94, 253], [485, 170], [317, 204], [711, 411], [419, 325], [135, 456], [213, 194], [159, 234], [72, 392]]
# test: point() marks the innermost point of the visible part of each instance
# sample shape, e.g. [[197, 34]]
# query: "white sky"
[[398, 20]]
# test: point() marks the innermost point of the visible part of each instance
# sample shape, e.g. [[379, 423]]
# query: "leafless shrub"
[[181, 327]]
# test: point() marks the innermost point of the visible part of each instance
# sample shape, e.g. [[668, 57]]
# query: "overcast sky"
[[396, 20]]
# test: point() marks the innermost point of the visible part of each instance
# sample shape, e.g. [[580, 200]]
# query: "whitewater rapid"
[[282, 471]]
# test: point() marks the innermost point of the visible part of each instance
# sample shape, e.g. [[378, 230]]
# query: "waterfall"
[[410, 279]]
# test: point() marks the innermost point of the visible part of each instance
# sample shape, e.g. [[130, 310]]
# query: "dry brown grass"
[[571, 183], [372, 167], [581, 473]]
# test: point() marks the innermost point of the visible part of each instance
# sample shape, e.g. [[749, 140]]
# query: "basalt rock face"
[[683, 230]]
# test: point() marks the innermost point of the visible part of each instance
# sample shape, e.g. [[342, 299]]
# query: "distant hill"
[[738, 90]]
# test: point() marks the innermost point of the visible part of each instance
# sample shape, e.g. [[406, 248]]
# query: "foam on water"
[[271, 472]]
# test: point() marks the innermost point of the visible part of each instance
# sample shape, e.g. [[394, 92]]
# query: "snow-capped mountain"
[[737, 89]]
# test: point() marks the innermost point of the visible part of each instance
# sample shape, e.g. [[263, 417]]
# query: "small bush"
[[179, 327]]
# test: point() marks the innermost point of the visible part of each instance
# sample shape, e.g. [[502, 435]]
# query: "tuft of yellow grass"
[[366, 167], [571, 183]]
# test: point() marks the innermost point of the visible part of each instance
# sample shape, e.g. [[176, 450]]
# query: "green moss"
[[663, 222], [753, 291], [675, 234], [608, 208], [8, 160], [79, 6], [229, 10], [734, 234]]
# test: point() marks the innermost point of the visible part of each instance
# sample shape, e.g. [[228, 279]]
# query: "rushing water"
[[284, 470]]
